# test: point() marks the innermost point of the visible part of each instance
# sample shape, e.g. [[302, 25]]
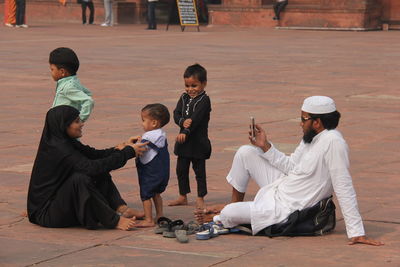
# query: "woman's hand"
[[181, 138], [364, 240], [139, 148], [187, 123], [134, 139], [120, 146], [260, 139]]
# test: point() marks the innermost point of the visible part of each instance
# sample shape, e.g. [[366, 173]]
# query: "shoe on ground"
[[9, 25], [24, 26], [181, 236], [105, 25], [206, 232]]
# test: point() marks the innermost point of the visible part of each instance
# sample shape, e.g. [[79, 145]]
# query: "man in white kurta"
[[318, 167]]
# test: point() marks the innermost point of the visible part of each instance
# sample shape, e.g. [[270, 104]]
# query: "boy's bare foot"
[[145, 224], [200, 203], [126, 224], [181, 201]]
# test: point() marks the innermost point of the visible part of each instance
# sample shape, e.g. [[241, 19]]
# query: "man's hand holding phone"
[[257, 136]]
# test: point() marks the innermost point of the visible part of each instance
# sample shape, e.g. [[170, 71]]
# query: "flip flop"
[[219, 229], [207, 233], [162, 225], [181, 236], [192, 227]]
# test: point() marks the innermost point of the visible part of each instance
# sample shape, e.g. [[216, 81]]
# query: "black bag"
[[316, 220]]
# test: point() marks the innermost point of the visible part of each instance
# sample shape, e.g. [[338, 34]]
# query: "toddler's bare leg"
[[148, 215], [158, 204]]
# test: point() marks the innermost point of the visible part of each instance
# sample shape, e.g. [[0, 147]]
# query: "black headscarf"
[[50, 169]]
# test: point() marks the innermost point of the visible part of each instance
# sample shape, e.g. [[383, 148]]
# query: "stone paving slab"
[[252, 72]]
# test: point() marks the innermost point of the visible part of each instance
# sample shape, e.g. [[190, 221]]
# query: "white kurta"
[[302, 179]]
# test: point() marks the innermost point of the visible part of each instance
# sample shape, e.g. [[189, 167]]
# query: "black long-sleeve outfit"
[[197, 146], [70, 183]]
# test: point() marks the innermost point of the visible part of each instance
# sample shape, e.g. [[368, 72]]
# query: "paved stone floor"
[[252, 72]]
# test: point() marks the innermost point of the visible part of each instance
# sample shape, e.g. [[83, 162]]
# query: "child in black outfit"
[[192, 114]]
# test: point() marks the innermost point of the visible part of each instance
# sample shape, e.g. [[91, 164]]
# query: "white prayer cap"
[[318, 105]]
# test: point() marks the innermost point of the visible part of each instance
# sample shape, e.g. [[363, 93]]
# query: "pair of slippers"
[[175, 229], [210, 230]]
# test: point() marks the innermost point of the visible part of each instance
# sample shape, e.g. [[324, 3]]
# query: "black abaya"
[[70, 183]]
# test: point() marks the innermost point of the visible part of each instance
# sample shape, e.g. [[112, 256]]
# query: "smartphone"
[[252, 128]]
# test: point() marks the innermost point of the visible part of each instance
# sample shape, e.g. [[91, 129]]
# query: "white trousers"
[[247, 164]]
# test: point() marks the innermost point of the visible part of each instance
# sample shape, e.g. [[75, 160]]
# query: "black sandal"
[[174, 225], [162, 225]]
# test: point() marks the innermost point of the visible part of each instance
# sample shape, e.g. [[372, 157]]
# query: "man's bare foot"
[[207, 214], [200, 203], [126, 224], [145, 224], [203, 216], [181, 201]]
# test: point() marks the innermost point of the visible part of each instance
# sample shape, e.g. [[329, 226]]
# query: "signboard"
[[187, 12]]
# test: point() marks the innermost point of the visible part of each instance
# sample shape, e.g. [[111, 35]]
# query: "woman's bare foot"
[[181, 201], [200, 203], [126, 224], [145, 224], [129, 212]]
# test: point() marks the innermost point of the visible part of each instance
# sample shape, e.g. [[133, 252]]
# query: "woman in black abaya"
[[70, 183]]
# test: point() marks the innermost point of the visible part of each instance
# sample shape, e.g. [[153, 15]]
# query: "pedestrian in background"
[[151, 14]]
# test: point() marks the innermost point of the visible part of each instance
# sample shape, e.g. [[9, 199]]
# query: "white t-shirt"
[[158, 138]]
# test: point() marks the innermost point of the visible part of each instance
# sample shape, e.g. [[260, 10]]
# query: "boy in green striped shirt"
[[64, 64]]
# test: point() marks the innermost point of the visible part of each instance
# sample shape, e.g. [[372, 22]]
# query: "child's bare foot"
[[181, 201], [145, 224], [200, 203], [126, 224]]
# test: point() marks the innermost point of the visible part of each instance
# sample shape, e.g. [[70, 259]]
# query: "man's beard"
[[309, 135]]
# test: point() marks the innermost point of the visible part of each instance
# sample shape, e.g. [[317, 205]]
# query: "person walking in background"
[[279, 6], [151, 14], [20, 14], [89, 4], [9, 13], [108, 14]]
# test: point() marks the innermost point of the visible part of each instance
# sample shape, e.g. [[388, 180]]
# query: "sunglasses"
[[303, 120]]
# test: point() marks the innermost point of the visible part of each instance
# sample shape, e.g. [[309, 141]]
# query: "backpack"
[[319, 219]]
